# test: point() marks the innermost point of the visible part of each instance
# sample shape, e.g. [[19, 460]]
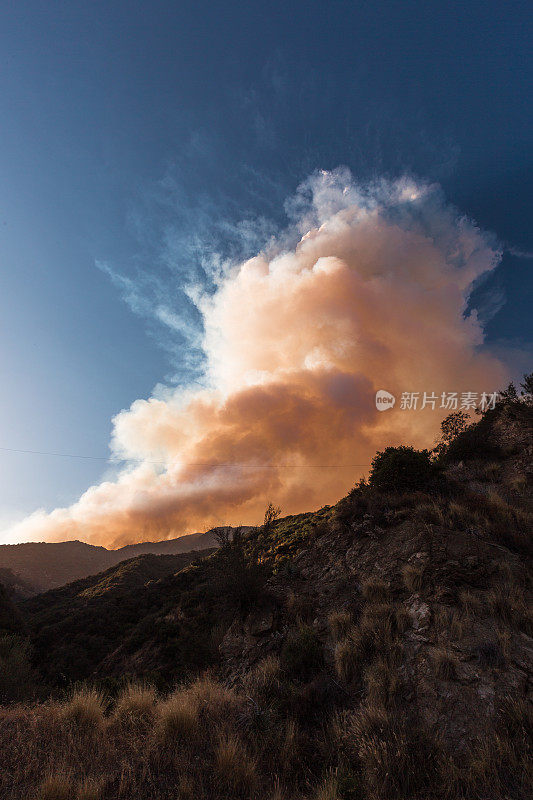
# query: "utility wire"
[[187, 464]]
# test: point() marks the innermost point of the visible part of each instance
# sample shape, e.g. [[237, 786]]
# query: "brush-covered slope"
[[76, 626]]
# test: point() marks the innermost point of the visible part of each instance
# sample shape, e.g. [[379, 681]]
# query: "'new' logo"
[[384, 400]]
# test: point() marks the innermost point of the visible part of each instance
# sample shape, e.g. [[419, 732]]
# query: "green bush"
[[403, 469]]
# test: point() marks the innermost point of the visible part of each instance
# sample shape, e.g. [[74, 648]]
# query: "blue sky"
[[137, 140]]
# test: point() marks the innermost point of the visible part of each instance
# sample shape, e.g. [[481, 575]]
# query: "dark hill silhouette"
[[39, 566]]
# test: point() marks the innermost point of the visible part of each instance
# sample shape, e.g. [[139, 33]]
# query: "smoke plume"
[[367, 289]]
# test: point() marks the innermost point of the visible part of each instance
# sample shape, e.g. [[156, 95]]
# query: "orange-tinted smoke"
[[373, 296]]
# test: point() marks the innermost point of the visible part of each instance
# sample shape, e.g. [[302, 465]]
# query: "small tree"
[[527, 387], [242, 576], [271, 515], [509, 394], [223, 536]]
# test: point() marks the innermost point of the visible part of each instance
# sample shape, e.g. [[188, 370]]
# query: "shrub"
[[474, 442], [302, 653], [241, 576], [451, 427], [403, 469]]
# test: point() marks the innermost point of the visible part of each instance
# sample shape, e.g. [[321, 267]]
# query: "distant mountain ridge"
[[47, 565]]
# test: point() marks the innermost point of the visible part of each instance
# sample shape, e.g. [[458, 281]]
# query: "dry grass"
[[380, 624], [85, 709], [299, 607], [339, 623], [445, 664], [178, 720], [186, 788], [413, 578], [262, 682], [89, 789], [395, 757], [498, 763], [350, 656], [290, 744], [450, 622], [516, 483], [136, 702], [328, 789], [235, 769], [489, 471], [382, 682], [511, 605], [375, 591], [430, 513], [56, 787], [210, 742], [471, 604]]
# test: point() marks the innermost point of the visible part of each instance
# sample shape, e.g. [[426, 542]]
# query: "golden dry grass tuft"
[[263, 680], [299, 607], [470, 603], [178, 719], [135, 702], [85, 709], [382, 681], [234, 767]]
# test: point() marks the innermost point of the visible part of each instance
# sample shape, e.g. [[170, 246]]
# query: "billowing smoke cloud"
[[372, 294]]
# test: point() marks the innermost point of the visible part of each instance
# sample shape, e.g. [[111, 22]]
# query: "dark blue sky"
[[138, 135]]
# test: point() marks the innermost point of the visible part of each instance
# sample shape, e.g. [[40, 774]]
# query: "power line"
[[186, 464]]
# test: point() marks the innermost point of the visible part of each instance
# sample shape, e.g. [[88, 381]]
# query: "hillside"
[[76, 626], [39, 566], [379, 649]]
